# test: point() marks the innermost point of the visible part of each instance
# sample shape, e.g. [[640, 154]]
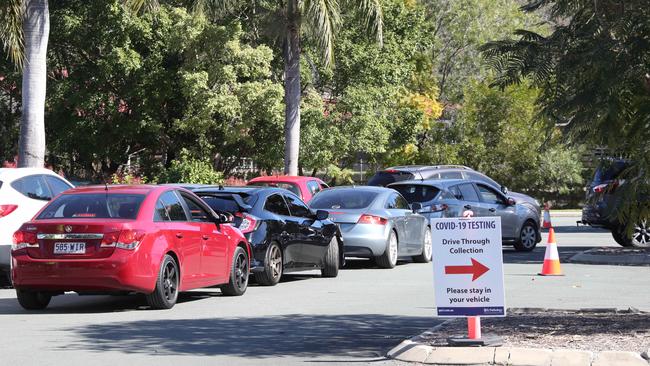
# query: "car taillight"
[[600, 188], [7, 209], [248, 222], [24, 239], [372, 219], [127, 239]]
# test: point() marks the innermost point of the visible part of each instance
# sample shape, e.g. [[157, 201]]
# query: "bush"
[[188, 169]]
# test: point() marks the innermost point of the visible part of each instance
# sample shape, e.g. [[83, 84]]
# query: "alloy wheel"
[[392, 248], [241, 271], [276, 262], [528, 236], [641, 234], [427, 244], [170, 281]]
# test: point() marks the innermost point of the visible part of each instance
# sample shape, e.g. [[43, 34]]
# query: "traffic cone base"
[[551, 265]]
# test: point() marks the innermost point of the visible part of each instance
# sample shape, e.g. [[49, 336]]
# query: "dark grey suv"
[[604, 193], [410, 172]]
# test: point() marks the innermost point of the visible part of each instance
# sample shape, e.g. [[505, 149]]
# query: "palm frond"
[[373, 18], [138, 5], [214, 7], [323, 18], [11, 30]]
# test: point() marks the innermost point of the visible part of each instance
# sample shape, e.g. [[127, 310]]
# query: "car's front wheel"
[[389, 258], [425, 256], [639, 238], [527, 240], [33, 300], [239, 269], [165, 294]]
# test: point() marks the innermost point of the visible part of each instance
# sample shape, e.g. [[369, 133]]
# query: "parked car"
[[155, 240], [451, 197], [23, 192], [377, 223], [410, 172], [285, 235], [604, 193], [303, 187]]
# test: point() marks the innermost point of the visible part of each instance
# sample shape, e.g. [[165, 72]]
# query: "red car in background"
[[303, 187], [155, 240]]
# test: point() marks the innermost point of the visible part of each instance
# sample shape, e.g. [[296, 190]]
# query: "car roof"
[[12, 173], [440, 183], [119, 188], [418, 168], [360, 188], [240, 189], [282, 178]]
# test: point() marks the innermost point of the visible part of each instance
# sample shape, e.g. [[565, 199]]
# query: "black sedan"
[[285, 235]]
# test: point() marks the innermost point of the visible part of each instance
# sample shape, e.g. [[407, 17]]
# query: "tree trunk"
[[36, 27], [292, 89]]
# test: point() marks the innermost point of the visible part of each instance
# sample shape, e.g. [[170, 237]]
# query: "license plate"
[[69, 248]]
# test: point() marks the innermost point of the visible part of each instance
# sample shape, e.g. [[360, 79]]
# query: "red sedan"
[[154, 240], [303, 187]]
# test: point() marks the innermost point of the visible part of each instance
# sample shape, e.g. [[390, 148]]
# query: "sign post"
[[468, 272]]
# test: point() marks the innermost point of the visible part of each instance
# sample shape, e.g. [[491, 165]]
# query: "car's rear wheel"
[[165, 294], [33, 300], [427, 248], [619, 237], [273, 267], [331, 263], [239, 271], [639, 238], [527, 240], [389, 258]]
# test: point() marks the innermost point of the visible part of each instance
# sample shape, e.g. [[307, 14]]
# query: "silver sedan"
[[376, 222]]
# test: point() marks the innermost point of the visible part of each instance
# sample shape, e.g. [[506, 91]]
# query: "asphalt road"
[[306, 319]]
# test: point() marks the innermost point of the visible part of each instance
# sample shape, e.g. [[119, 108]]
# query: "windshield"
[[387, 177], [343, 199], [93, 206], [416, 192]]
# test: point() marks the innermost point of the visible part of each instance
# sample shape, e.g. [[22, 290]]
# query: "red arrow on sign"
[[476, 269]]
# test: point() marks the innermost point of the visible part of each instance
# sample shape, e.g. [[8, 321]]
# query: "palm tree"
[[319, 18], [24, 31]]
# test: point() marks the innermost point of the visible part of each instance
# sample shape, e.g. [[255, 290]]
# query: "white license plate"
[[69, 248]]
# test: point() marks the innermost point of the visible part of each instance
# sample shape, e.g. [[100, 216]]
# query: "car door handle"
[[205, 237], [468, 207], [179, 235], [493, 210]]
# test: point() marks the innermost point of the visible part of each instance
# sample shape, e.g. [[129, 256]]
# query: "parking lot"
[[356, 317]]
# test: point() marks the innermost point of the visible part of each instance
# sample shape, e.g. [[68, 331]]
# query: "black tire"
[[427, 248], [638, 238], [5, 279], [331, 264], [273, 267], [617, 234], [165, 294], [527, 240], [389, 258], [33, 300], [239, 271]]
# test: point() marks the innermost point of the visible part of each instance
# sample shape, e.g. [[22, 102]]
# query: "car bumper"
[[593, 215], [364, 240], [119, 272]]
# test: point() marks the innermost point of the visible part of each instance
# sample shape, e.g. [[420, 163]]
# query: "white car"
[[23, 192]]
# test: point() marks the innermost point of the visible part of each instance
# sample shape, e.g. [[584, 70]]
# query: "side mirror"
[[511, 201], [504, 189], [322, 215], [416, 206]]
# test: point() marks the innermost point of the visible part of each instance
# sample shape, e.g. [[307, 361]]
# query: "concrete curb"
[[595, 256]]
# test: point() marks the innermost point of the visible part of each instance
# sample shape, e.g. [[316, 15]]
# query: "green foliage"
[[191, 170]]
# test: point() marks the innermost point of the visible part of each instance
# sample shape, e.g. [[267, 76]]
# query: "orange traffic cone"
[[551, 257], [546, 224]]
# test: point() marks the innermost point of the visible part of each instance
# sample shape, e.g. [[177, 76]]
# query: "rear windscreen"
[[609, 171], [417, 193], [293, 188], [226, 202], [385, 178], [342, 199], [93, 206]]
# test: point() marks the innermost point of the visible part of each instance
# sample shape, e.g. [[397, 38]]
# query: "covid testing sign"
[[468, 266]]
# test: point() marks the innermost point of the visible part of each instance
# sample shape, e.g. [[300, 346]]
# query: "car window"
[[395, 201], [33, 186], [160, 212], [197, 213], [417, 192], [384, 178], [314, 187], [57, 185], [346, 198], [276, 205], [297, 207], [465, 192], [173, 206], [451, 175], [489, 195], [444, 195], [482, 178], [94, 206]]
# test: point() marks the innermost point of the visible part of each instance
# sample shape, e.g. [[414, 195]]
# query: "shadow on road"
[[576, 229], [537, 256], [362, 335]]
